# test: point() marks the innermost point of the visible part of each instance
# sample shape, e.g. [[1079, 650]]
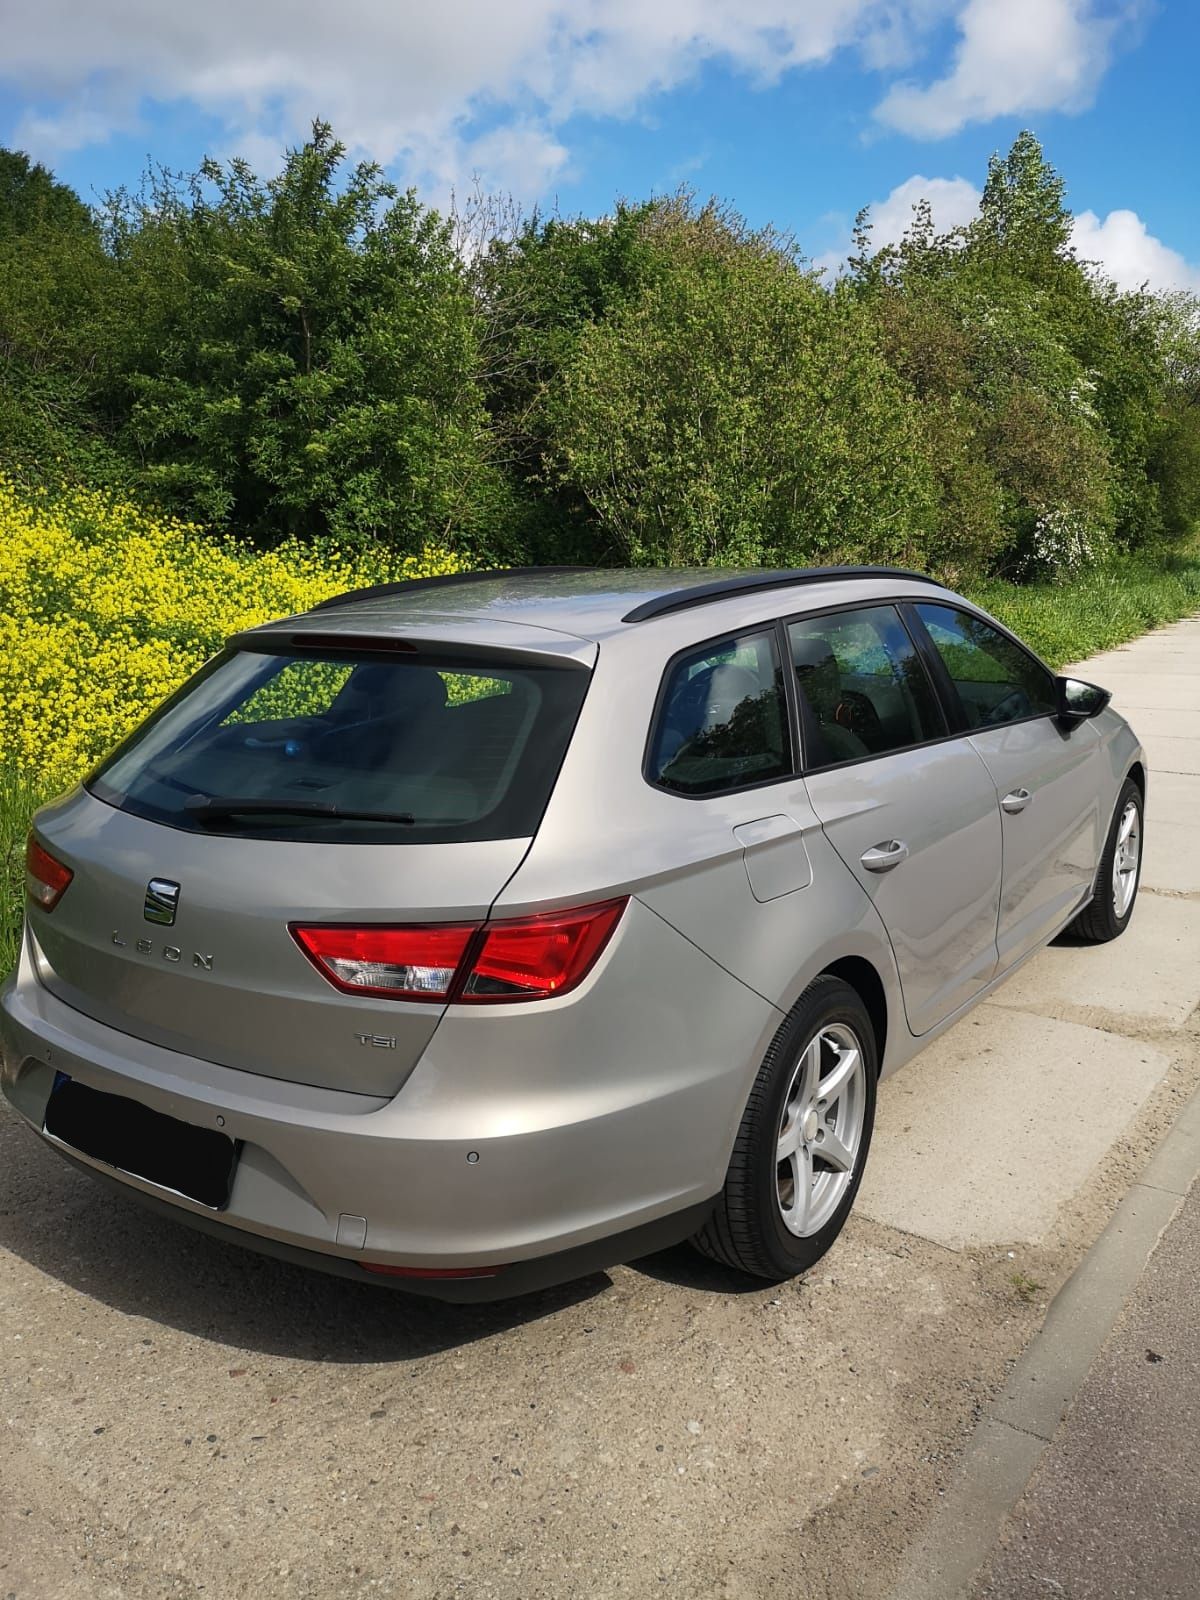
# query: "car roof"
[[591, 603]]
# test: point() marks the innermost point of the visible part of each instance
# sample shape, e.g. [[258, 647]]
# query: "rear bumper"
[[520, 1277], [600, 1127]]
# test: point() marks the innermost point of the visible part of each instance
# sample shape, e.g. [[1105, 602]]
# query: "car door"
[[1046, 776], [910, 809]]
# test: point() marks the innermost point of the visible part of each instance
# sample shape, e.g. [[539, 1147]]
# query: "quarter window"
[[997, 681], [723, 722], [863, 689]]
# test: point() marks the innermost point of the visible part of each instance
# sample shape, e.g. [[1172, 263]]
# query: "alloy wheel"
[[820, 1129], [1126, 858]]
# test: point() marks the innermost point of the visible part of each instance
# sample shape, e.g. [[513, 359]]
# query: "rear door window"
[[863, 688], [722, 722], [309, 745], [996, 680]]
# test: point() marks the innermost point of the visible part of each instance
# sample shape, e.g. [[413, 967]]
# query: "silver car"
[[474, 933]]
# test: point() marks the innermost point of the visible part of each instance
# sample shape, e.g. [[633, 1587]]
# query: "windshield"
[[352, 746]]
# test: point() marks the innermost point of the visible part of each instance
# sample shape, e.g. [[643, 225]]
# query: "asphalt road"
[[1113, 1510], [181, 1418]]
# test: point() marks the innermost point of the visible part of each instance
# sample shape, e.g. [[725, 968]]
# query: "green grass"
[[1114, 603], [17, 802], [1062, 622]]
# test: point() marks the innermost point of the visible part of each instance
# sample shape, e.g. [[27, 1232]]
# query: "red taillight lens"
[[46, 877], [540, 956], [528, 959], [399, 963]]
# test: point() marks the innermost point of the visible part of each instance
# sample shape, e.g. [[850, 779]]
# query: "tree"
[[33, 202], [300, 356], [1035, 376], [733, 412], [54, 277], [538, 289], [1175, 459], [1023, 210]]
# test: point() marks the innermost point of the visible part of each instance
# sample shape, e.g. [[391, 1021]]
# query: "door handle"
[[1016, 801], [883, 857]]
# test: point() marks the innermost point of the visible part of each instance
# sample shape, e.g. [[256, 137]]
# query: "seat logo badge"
[[162, 902]]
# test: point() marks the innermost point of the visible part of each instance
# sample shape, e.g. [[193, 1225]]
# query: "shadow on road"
[[88, 1235], [688, 1269], [108, 1247]]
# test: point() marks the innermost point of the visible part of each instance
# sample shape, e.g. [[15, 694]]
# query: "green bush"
[[317, 355]]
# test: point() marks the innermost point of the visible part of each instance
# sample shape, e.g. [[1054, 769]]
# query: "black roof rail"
[[377, 591], [750, 582]]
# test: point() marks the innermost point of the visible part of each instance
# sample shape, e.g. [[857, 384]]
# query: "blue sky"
[[798, 111]]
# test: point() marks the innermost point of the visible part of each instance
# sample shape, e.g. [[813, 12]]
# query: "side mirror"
[[1077, 701]]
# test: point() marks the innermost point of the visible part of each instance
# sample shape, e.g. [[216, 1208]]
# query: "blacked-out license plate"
[[122, 1133]]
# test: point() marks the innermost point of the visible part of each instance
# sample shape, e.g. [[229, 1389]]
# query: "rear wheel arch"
[[862, 977], [827, 1039]]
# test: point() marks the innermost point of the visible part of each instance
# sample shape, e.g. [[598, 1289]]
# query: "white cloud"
[[441, 89], [1119, 246], [436, 88], [953, 201], [1014, 56], [1129, 255]]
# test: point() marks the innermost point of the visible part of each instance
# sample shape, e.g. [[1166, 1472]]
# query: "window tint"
[[357, 748], [996, 680], [723, 723], [863, 688]]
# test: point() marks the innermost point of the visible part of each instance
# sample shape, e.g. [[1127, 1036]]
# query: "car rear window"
[[342, 745]]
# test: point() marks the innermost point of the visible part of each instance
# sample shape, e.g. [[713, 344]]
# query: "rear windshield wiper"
[[217, 808]]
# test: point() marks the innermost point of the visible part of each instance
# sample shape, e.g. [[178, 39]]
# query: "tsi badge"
[[162, 902]]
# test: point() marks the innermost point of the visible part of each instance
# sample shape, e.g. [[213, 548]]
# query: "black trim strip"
[[521, 1277], [944, 688], [752, 582]]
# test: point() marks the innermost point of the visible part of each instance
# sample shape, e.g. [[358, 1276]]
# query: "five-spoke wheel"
[[800, 1151], [1127, 857], [820, 1130], [1108, 912]]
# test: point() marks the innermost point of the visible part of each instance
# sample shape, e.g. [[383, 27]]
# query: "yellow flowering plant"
[[106, 607]]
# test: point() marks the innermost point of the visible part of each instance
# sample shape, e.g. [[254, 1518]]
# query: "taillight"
[[539, 956], [46, 878], [531, 958], [399, 963]]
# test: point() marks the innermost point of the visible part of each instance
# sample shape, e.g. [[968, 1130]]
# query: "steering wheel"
[[858, 716], [1014, 704]]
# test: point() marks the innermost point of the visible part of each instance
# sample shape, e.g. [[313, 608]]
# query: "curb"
[[1013, 1432]]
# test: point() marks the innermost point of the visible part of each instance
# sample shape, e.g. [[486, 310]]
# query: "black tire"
[[746, 1230], [1099, 920]]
